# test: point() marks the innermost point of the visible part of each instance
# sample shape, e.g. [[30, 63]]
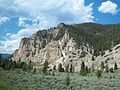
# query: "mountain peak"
[[76, 43]]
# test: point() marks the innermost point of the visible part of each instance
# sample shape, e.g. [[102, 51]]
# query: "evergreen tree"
[[0, 60], [14, 64], [102, 66], [99, 73], [83, 69], [102, 53], [71, 68], [34, 71], [24, 67], [93, 59], [53, 74], [45, 66], [67, 80], [44, 43], [9, 65], [106, 68], [89, 70], [30, 66], [5, 64], [86, 69], [54, 67], [67, 68], [60, 68], [111, 70], [115, 66], [92, 68]]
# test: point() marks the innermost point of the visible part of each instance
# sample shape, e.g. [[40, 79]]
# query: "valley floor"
[[19, 80]]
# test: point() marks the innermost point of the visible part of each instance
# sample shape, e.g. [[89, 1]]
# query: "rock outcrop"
[[56, 46]]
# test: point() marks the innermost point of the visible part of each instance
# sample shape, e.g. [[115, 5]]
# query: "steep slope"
[[72, 44]]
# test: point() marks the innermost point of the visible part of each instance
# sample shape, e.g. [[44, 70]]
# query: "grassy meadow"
[[19, 80]]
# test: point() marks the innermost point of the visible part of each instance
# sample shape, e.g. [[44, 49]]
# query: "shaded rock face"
[[41, 46], [23, 50], [56, 46]]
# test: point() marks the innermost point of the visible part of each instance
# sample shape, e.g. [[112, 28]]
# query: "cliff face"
[[57, 46]]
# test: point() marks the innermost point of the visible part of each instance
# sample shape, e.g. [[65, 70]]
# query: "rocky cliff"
[[59, 45]]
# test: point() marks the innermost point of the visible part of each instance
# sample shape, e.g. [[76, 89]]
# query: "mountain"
[[71, 44], [5, 56]]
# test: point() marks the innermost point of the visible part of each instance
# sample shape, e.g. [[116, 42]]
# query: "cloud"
[[3, 19], [8, 46], [108, 7], [12, 41], [8, 34], [21, 21], [68, 11], [38, 14]]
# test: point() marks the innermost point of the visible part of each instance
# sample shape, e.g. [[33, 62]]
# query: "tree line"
[[8, 64], [84, 70], [99, 37]]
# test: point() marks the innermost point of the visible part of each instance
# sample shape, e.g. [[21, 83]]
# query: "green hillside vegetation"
[[5, 86], [99, 37]]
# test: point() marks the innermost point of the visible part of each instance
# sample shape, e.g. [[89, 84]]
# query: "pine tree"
[[111, 70], [24, 68], [83, 69], [53, 74], [102, 66], [89, 70], [115, 66], [0, 60], [30, 66], [93, 59], [60, 68], [54, 67], [45, 66], [14, 64], [93, 68], [67, 79], [71, 68], [99, 73], [106, 68], [86, 69], [67, 68], [34, 71]]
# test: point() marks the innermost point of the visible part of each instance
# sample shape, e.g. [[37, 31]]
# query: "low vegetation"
[[22, 76]]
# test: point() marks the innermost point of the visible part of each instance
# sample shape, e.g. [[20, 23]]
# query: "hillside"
[[88, 42]]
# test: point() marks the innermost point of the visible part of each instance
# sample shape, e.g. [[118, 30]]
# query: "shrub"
[[67, 80], [115, 66], [60, 68], [83, 70], [45, 67], [99, 73]]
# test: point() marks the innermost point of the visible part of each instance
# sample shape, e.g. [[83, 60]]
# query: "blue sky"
[[22, 18]]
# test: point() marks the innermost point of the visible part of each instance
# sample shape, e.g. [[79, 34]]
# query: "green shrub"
[[99, 73], [67, 80]]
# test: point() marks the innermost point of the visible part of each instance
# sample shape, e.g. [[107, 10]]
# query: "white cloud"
[[108, 7], [12, 42], [8, 46], [3, 19], [42, 14], [72, 10], [21, 21], [8, 34]]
